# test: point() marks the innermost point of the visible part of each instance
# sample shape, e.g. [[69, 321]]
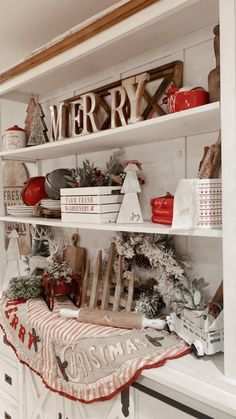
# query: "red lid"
[[15, 128], [172, 90]]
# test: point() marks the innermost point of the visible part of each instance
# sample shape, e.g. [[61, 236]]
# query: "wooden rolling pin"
[[113, 318]]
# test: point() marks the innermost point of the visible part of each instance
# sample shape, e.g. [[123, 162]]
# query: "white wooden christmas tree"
[[38, 129], [130, 211], [13, 258]]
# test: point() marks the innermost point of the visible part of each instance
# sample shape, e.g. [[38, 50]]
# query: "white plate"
[[22, 214], [20, 208], [51, 204], [51, 201]]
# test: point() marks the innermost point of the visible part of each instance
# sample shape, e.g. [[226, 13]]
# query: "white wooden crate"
[[99, 204]]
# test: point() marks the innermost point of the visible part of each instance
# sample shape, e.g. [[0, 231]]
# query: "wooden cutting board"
[[75, 255], [15, 174]]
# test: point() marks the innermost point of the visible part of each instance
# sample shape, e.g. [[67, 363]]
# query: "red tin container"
[[178, 100]]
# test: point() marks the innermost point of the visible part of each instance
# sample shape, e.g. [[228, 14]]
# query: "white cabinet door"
[[9, 378], [109, 409], [147, 407], [7, 410], [40, 403]]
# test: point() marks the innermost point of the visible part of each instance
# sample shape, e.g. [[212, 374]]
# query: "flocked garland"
[[156, 253], [25, 287], [30, 286], [152, 253]]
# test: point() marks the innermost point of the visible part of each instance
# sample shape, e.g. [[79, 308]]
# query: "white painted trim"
[[228, 124], [167, 53], [17, 97], [131, 25], [2, 227]]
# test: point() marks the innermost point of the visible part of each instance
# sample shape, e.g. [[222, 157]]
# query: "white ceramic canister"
[[14, 137]]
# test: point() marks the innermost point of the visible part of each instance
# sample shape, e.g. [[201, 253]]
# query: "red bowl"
[[180, 101], [34, 190]]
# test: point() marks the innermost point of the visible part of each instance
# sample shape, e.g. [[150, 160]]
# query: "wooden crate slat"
[[85, 282], [111, 298], [108, 276], [130, 292], [96, 277], [119, 284]]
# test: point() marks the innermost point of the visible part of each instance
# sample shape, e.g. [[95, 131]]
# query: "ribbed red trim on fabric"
[[114, 393]]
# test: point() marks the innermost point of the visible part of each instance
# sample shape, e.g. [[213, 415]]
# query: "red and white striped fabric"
[[81, 361]]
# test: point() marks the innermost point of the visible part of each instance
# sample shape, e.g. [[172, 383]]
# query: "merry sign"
[[125, 102], [84, 111]]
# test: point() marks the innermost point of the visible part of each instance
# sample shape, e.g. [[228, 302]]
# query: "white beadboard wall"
[[12, 113], [163, 163]]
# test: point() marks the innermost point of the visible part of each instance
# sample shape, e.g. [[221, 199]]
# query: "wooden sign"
[[121, 103]]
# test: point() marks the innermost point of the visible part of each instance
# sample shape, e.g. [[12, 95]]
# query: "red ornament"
[[34, 190], [162, 209]]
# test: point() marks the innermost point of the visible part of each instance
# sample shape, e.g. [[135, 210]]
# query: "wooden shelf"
[[195, 121], [202, 380], [158, 24], [146, 227]]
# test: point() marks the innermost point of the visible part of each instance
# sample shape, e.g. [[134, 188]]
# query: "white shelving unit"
[[138, 34], [147, 227], [157, 26], [194, 121], [201, 380]]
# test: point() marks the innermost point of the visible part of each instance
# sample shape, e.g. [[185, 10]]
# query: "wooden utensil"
[[75, 255], [113, 318], [210, 165], [218, 297], [214, 75]]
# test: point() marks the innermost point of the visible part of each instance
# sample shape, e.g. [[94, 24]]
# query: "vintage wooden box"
[[99, 204]]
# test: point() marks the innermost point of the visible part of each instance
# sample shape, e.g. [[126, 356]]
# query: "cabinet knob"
[[6, 416], [8, 379], [4, 339]]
